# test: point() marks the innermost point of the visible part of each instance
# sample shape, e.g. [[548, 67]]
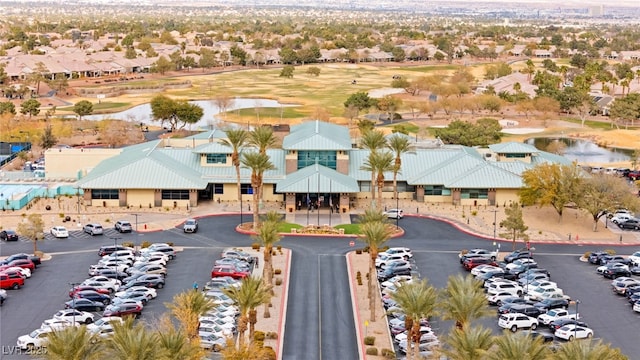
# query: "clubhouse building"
[[318, 163]]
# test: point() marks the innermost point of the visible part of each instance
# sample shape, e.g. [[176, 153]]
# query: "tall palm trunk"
[[267, 275], [253, 319], [380, 185], [372, 282], [256, 212], [242, 327]]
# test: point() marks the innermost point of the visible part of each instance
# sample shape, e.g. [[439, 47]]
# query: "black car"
[[594, 257], [548, 304], [388, 273], [8, 235], [634, 298], [110, 249], [93, 295], [491, 274], [616, 273], [516, 271], [35, 259], [518, 254], [509, 303], [633, 224], [84, 305], [557, 324], [545, 337], [527, 309]]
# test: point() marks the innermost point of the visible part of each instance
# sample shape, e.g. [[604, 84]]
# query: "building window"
[[436, 190], [246, 189], [175, 194], [216, 158], [324, 158], [218, 188], [515, 156], [104, 194], [474, 194], [365, 186]]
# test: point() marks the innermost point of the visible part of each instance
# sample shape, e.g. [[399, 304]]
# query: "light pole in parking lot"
[[575, 328], [73, 300], [495, 219], [531, 250], [136, 215]]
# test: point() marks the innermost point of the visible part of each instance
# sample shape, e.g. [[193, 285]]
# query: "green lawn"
[[350, 229], [103, 106], [286, 227]]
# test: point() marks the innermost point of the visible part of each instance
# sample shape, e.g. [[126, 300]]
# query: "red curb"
[[361, 347], [283, 305]]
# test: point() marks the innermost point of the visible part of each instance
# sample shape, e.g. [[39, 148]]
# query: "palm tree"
[[378, 163], [518, 346], [587, 349], [174, 343], [373, 140], [374, 234], [399, 145], [268, 234], [187, 307], [418, 300], [374, 215], [463, 300], [132, 342], [73, 343], [258, 163], [468, 344], [252, 293], [251, 351], [236, 140], [262, 137]]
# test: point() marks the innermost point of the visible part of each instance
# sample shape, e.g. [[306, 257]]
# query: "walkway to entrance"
[[317, 217]]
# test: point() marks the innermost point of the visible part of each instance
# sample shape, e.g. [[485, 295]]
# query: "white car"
[[486, 253], [496, 299], [498, 287], [621, 217], [57, 324], [483, 269], [60, 232], [400, 250], [540, 293], [635, 258], [104, 322], [602, 269], [636, 307], [519, 262], [394, 213], [207, 322], [74, 316], [155, 260], [151, 293], [425, 332], [424, 345], [396, 280], [383, 259], [571, 331], [24, 271], [515, 321], [103, 282], [35, 339]]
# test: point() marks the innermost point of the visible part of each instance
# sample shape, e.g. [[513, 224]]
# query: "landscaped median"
[[289, 229]]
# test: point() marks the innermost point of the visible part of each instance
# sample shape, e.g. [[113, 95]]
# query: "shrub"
[[61, 215], [586, 255], [279, 247], [372, 351], [169, 243], [255, 246], [272, 335], [145, 244], [128, 244], [278, 281], [277, 271], [369, 340], [358, 251], [388, 353], [259, 335], [270, 354], [474, 212], [610, 251]]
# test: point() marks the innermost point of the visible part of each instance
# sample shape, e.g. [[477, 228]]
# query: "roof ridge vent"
[[317, 126]]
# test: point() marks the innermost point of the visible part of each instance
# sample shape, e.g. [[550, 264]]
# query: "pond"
[[584, 151], [142, 113]]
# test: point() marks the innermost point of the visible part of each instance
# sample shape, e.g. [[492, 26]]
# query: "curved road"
[[319, 323]]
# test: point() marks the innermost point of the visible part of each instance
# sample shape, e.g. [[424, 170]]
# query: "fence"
[[38, 192]]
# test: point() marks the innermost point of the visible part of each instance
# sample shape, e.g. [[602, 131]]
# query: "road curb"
[[283, 305], [354, 305]]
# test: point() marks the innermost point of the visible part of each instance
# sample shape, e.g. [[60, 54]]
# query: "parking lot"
[[435, 253]]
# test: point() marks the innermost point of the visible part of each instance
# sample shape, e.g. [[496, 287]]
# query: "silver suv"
[[123, 226], [93, 229], [190, 226]]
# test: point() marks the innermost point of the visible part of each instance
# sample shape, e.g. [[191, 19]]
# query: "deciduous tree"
[[82, 108], [30, 107], [514, 223]]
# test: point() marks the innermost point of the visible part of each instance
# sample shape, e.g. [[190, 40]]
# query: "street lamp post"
[[495, 220], [398, 211], [575, 327], [73, 300], [78, 196], [136, 215], [531, 250]]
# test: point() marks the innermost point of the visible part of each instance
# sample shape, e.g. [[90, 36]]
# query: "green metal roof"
[[144, 168], [513, 148], [213, 148], [209, 134], [317, 178], [317, 135], [483, 176]]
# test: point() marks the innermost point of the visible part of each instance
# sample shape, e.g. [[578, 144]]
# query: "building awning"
[[317, 179]]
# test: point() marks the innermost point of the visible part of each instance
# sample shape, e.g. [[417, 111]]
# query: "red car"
[[123, 310], [79, 288], [477, 261], [11, 282], [23, 263], [228, 270]]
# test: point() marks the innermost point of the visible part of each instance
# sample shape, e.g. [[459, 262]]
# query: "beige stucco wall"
[[506, 196], [67, 163], [140, 197], [108, 203]]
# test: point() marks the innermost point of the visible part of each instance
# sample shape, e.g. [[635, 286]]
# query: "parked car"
[[109, 249], [621, 217], [636, 307], [556, 314], [496, 299], [552, 303], [74, 315], [11, 282], [60, 232], [211, 341], [237, 253], [123, 226], [604, 260], [621, 284], [633, 224], [104, 322], [3, 296], [93, 229], [517, 321], [535, 334], [526, 309], [190, 226], [486, 253], [150, 293], [123, 310], [471, 263], [35, 259], [594, 257], [228, 270], [400, 250], [394, 213], [383, 259], [518, 254], [558, 323], [57, 324], [510, 286], [35, 339], [79, 288], [568, 332], [84, 305], [634, 258], [8, 235], [93, 295], [611, 265], [155, 281], [22, 263], [616, 273], [149, 269]]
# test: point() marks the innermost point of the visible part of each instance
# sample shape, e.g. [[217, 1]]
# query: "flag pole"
[[308, 202], [330, 203]]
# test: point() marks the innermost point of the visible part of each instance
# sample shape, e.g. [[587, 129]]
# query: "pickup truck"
[[557, 314]]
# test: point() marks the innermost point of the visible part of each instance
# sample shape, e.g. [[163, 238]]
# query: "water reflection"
[[142, 113], [583, 151]]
